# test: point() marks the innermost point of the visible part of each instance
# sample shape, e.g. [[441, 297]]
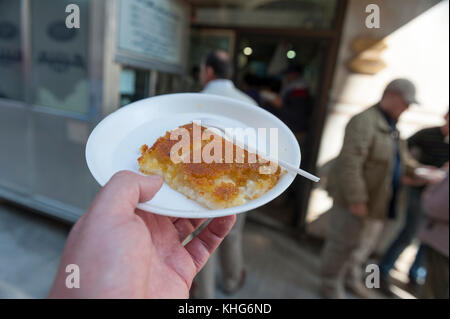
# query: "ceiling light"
[[248, 51], [291, 54]]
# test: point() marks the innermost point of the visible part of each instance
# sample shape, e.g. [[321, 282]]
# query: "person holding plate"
[[429, 147]]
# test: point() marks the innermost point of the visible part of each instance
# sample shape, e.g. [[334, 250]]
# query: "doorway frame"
[[332, 37]]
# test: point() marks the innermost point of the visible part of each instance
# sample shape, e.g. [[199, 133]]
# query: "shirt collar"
[[392, 123], [219, 82]]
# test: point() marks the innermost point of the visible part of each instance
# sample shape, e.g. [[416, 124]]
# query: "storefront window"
[[134, 85], [59, 56], [11, 76], [307, 14]]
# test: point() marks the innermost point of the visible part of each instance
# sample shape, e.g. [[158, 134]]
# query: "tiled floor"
[[31, 245]]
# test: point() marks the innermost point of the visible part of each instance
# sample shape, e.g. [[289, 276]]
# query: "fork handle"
[[298, 171]]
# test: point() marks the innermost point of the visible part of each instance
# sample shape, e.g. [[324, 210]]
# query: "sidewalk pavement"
[[30, 248], [31, 245]]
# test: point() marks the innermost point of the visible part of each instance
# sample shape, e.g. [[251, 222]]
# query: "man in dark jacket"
[[430, 147]]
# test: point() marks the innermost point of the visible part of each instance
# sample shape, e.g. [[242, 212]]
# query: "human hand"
[[414, 181], [277, 102], [123, 252], [359, 210]]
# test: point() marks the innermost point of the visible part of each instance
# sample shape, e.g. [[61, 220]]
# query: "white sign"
[[152, 31]]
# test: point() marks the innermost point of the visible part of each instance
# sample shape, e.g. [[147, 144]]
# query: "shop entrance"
[[281, 73], [265, 38]]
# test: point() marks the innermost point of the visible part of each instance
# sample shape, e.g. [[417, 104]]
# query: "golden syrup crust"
[[203, 176]]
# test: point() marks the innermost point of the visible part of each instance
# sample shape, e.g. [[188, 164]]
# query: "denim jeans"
[[410, 230]]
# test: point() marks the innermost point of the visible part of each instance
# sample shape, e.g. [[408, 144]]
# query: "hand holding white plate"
[[114, 144]]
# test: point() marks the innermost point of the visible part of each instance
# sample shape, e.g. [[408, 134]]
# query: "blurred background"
[[57, 83]]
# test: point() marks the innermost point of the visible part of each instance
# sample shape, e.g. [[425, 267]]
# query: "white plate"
[[430, 174], [114, 144]]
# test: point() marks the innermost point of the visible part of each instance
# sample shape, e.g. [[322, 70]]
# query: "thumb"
[[124, 191]]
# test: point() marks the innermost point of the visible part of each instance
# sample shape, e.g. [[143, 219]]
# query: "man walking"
[[364, 182]]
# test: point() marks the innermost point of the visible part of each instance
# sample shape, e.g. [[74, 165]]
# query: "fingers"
[[124, 191], [204, 244], [185, 227]]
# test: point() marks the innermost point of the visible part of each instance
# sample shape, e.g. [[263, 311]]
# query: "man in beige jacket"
[[364, 182]]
